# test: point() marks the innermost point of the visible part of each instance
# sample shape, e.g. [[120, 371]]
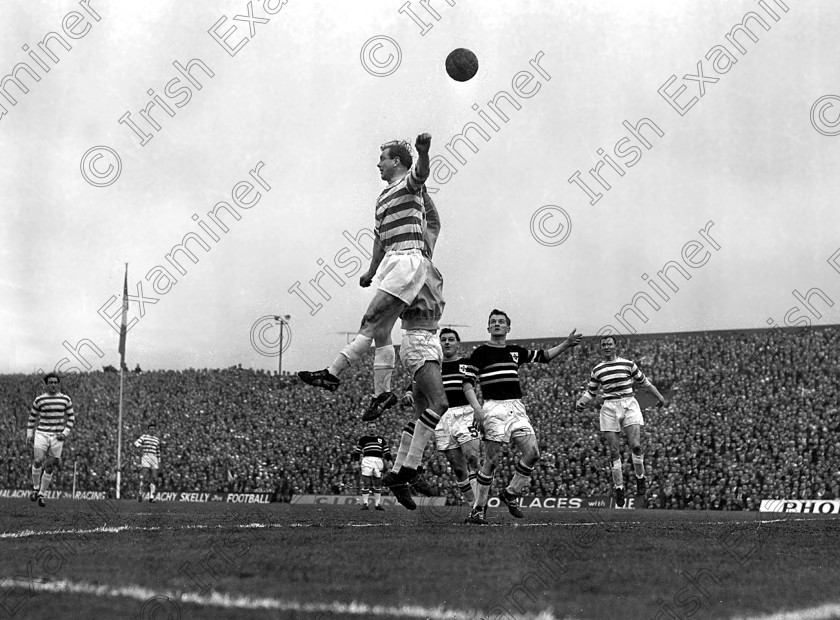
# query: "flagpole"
[[122, 366], [119, 434]]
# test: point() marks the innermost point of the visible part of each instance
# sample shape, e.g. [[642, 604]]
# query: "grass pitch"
[[77, 559]]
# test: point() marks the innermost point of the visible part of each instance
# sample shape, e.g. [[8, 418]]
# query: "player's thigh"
[[384, 308], [144, 472], [456, 459], [493, 451], [613, 441], [365, 480], [472, 453], [430, 383], [634, 434], [41, 445], [376, 482]]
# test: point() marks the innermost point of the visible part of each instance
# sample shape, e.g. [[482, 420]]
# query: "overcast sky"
[[305, 103]]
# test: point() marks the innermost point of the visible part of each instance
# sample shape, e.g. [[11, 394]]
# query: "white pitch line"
[[823, 612], [105, 529], [162, 601]]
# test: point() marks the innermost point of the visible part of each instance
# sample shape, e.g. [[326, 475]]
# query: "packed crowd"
[[751, 415]]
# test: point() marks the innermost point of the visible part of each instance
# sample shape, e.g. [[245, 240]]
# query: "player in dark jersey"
[[619, 410], [456, 434], [495, 366], [373, 451]]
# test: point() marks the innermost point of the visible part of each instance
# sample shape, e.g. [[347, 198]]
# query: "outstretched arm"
[[572, 341]]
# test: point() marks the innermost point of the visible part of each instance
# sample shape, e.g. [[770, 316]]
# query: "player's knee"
[[472, 462], [636, 449]]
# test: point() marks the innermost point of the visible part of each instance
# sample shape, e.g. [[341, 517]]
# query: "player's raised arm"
[[572, 341], [421, 168]]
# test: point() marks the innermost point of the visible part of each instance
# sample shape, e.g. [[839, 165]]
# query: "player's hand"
[[662, 403], [29, 436], [478, 420], [580, 407], [422, 144], [365, 280], [408, 400], [574, 339], [60, 437]]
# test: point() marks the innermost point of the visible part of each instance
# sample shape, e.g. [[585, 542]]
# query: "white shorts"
[[150, 461], [372, 466], [47, 443], [505, 419], [620, 413], [418, 347], [456, 427], [402, 274]]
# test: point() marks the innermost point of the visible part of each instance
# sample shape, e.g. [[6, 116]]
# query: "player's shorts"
[[402, 274], [47, 442], [418, 347], [372, 466], [150, 461], [505, 420], [456, 427], [620, 413]]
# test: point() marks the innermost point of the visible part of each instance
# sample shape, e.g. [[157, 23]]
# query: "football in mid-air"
[[461, 64]]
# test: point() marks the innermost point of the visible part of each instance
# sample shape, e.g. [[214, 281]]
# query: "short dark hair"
[[401, 150], [447, 330], [51, 375], [151, 424], [501, 312], [610, 336]]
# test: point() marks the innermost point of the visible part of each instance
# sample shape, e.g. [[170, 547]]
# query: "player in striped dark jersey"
[[373, 451], [397, 266], [503, 419], [620, 409], [456, 434], [50, 420], [149, 444]]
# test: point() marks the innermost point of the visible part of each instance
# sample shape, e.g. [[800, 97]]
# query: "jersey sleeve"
[[33, 416], [592, 386], [637, 374], [471, 368], [414, 181], [531, 356], [70, 420]]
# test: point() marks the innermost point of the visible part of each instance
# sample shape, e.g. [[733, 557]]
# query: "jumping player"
[[54, 416], [620, 409], [397, 266], [495, 366]]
